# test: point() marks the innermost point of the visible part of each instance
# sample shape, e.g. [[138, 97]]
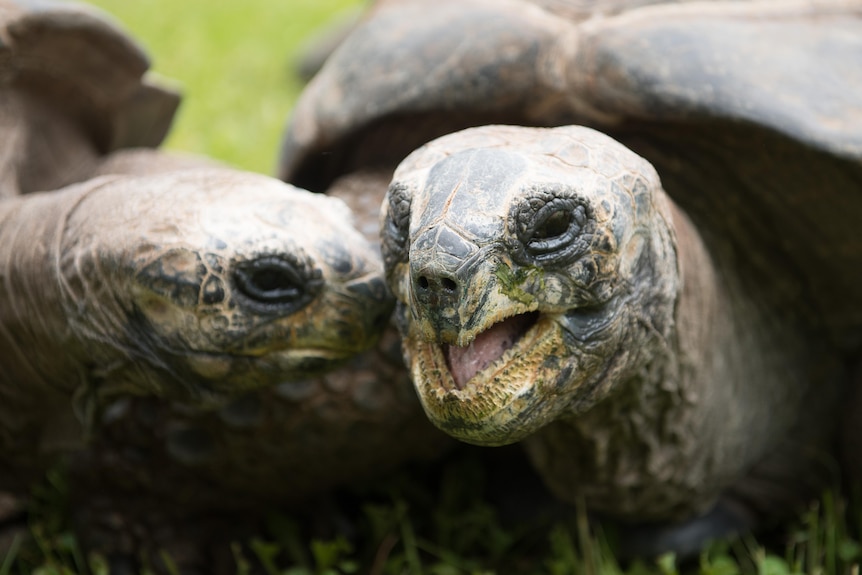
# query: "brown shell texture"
[[749, 112]]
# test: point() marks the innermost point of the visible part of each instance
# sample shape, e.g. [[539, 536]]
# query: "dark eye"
[[555, 225], [271, 284], [551, 227], [273, 281]]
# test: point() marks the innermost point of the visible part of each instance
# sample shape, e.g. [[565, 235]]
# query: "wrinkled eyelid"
[[279, 282], [541, 203], [398, 209], [549, 191], [294, 255], [398, 191]]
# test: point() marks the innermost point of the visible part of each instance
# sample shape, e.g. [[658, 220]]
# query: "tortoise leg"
[[122, 564], [851, 440], [688, 538], [13, 523]]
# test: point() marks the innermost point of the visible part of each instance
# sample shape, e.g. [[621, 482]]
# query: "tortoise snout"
[[436, 301], [377, 301], [435, 259], [436, 289], [440, 260]]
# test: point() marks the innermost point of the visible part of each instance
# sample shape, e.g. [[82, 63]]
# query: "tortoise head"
[[204, 282], [529, 266]]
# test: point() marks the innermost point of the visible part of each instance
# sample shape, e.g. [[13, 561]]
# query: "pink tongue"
[[465, 362]]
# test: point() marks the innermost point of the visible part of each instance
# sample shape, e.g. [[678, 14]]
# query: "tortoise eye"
[[274, 282], [555, 225], [271, 284], [551, 228]]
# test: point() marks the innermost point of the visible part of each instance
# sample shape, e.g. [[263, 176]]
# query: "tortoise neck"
[[33, 329], [721, 406], [635, 452], [41, 365], [701, 315]]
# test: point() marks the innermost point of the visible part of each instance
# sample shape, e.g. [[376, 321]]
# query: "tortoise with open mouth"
[[665, 313]]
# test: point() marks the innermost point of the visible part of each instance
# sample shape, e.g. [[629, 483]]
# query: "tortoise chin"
[[227, 373], [501, 387]]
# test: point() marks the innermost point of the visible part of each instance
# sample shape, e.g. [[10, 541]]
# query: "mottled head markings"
[[517, 266], [214, 281]]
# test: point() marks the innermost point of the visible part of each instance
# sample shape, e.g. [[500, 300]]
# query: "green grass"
[[233, 61], [445, 525]]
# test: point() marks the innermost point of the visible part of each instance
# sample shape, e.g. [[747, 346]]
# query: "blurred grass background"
[[233, 61]]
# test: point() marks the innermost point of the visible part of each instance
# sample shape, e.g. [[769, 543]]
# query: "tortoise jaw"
[[502, 403], [219, 367], [487, 348]]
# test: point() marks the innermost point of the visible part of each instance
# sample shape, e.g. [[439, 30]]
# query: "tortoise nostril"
[[436, 286]]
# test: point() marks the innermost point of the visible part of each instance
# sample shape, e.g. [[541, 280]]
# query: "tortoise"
[[314, 51], [639, 258], [188, 337], [160, 475]]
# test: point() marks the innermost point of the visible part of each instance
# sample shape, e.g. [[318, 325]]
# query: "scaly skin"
[[207, 330], [159, 285], [749, 112], [630, 371], [277, 444], [160, 474]]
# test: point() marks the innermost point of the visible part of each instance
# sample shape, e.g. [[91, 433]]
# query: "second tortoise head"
[[217, 280]]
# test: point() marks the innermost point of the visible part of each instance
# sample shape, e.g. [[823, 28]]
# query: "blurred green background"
[[233, 61]]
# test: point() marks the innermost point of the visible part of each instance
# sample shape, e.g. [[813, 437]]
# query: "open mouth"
[[488, 347]]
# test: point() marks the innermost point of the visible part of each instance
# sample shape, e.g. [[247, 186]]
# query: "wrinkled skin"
[[122, 295], [543, 276], [193, 340], [713, 403], [166, 475]]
